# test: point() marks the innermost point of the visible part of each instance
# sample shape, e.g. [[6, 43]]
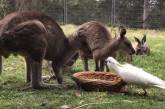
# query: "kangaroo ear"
[[23, 31], [143, 39], [6, 34], [137, 40], [123, 32], [5, 37]]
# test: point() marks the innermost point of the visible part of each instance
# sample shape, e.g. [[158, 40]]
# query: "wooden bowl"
[[98, 81]]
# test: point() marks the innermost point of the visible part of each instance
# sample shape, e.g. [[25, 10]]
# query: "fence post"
[[113, 12], [145, 13], [65, 12]]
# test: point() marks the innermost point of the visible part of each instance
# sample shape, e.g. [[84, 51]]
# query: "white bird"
[[134, 75]]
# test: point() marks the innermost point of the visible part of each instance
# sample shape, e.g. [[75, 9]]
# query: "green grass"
[[12, 81]]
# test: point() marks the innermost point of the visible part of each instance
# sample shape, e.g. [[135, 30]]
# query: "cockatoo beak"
[[105, 61]]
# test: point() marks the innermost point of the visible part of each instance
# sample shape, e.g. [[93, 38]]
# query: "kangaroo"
[[120, 53], [35, 36], [142, 47], [99, 44]]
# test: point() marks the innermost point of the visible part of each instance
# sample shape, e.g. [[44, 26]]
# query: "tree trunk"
[[145, 13]]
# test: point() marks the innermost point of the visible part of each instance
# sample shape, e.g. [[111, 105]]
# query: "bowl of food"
[[98, 81]]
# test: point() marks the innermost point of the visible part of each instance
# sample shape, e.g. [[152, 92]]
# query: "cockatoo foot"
[[143, 93]]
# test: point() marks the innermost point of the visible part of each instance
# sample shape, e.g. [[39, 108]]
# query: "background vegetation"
[[131, 13]]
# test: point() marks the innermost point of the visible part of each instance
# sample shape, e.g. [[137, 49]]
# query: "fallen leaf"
[[78, 94], [65, 107], [81, 102]]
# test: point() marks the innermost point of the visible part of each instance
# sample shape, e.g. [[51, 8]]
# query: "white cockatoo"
[[134, 75]]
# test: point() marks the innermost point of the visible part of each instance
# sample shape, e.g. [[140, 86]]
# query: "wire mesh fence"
[[131, 13]]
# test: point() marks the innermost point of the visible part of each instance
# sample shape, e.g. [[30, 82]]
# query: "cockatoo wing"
[[130, 75], [135, 75], [162, 87], [131, 66]]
